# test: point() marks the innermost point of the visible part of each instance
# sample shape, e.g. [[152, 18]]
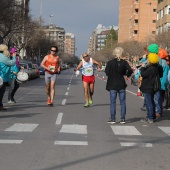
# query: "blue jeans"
[[150, 106], [122, 99], [158, 102]]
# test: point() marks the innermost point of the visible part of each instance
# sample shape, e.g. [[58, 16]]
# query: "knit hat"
[[162, 53], [153, 48], [153, 58], [12, 50], [4, 50]]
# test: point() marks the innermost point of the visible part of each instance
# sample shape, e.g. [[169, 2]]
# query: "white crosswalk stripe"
[[22, 127], [165, 129], [73, 129]]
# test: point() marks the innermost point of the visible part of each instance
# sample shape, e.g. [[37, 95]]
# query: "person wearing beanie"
[[14, 85], [5, 64], [149, 74]]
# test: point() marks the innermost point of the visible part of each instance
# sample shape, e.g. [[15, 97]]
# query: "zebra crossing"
[[129, 136]]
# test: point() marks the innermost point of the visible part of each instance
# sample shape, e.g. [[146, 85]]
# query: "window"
[[154, 21], [135, 32], [136, 21], [153, 32], [136, 11], [154, 10]]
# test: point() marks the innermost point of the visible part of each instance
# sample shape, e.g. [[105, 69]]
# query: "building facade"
[[55, 34], [98, 37], [137, 20], [70, 44], [163, 16]]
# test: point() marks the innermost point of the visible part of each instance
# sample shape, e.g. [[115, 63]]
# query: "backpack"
[[157, 82]]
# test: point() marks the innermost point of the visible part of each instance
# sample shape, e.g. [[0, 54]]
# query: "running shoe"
[[48, 101], [51, 104], [87, 105], [122, 121], [90, 101], [111, 121]]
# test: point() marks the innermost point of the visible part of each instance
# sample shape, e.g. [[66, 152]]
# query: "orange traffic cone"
[[139, 92]]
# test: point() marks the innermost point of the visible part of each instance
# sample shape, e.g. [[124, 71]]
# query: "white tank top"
[[87, 67]]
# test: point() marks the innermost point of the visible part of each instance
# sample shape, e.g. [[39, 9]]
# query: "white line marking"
[[22, 127], [125, 130], [64, 102], [66, 94], [70, 143], [126, 139], [77, 129], [59, 118], [69, 85], [68, 88], [165, 129], [128, 144], [11, 141]]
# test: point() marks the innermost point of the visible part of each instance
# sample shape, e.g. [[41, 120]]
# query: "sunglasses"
[[85, 56], [53, 50]]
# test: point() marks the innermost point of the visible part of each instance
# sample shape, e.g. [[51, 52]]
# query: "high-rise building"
[[70, 44], [137, 20], [97, 39], [163, 16]]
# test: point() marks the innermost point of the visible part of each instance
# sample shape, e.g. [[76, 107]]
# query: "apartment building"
[[70, 44], [55, 34], [137, 20], [163, 16], [98, 37]]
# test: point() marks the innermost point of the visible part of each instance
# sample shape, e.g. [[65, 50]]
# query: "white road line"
[[127, 139], [66, 94], [22, 127], [64, 102], [128, 144], [71, 143], [76, 129], [68, 88], [165, 129], [11, 141], [59, 118], [125, 130]]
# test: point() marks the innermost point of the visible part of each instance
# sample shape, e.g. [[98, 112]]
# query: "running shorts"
[[50, 77], [88, 79]]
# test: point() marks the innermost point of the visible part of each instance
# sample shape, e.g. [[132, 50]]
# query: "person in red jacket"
[[51, 65]]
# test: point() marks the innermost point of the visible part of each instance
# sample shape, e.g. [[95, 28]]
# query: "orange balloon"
[[162, 53]]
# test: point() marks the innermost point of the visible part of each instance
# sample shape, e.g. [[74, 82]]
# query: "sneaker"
[[51, 104], [48, 101], [111, 121], [143, 108], [11, 102], [87, 105], [146, 120], [90, 101], [122, 121]]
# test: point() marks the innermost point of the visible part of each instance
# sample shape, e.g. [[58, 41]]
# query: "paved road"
[[68, 136]]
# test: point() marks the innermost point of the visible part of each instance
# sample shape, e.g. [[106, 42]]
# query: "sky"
[[79, 17]]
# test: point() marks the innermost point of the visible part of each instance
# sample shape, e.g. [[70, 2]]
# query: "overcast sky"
[[79, 17]]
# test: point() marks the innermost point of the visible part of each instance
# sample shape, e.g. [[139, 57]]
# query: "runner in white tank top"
[[88, 77]]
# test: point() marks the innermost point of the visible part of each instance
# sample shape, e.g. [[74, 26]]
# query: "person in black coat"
[[116, 69], [147, 87]]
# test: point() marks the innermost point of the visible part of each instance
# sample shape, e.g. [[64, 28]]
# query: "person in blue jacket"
[[5, 70], [14, 85]]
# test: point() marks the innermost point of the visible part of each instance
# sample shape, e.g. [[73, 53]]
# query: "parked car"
[[36, 69], [42, 70], [28, 68]]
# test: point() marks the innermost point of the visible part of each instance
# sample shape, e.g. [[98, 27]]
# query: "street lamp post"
[[23, 35], [50, 24], [148, 37]]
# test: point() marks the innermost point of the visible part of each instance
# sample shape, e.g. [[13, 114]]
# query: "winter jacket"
[[148, 76], [116, 70]]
